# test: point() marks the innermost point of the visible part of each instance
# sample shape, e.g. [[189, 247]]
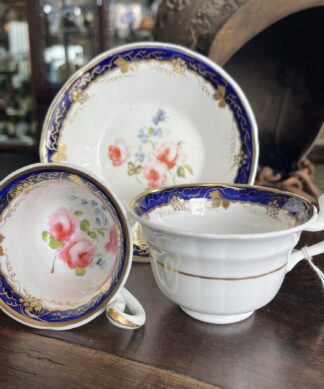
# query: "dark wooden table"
[[280, 346]]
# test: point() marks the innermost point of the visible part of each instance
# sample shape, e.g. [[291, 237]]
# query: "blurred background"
[[273, 49], [42, 42]]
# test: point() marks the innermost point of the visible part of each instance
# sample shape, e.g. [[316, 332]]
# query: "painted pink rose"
[[118, 153], [62, 224], [79, 251], [156, 174], [111, 245], [168, 153]]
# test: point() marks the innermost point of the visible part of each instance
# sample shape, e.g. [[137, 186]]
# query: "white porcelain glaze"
[[152, 114], [65, 246], [220, 259]]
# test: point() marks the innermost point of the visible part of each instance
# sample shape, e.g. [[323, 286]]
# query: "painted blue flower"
[[157, 132], [97, 211], [93, 203], [140, 156], [142, 135], [97, 221], [84, 202], [159, 117]]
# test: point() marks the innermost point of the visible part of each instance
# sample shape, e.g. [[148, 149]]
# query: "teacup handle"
[[116, 315], [309, 252], [304, 253], [318, 225]]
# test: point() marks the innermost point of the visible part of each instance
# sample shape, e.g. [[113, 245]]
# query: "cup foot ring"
[[217, 319]]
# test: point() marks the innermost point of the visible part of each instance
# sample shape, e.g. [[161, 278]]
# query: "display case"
[[17, 105], [42, 42], [66, 34]]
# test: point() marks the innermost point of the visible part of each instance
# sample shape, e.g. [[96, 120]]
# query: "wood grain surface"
[[280, 346]]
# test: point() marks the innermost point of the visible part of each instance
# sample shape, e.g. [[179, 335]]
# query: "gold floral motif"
[[60, 155], [76, 179], [219, 96], [177, 203], [179, 65], [123, 65], [78, 96], [240, 159], [31, 303], [217, 200], [273, 209]]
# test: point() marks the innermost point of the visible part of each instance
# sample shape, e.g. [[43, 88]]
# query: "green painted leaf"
[[92, 234], [101, 233], [181, 172], [80, 271], [54, 244], [78, 213], [150, 131], [131, 169], [84, 225], [46, 236], [188, 168]]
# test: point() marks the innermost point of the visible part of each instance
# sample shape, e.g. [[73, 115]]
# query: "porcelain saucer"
[[147, 115]]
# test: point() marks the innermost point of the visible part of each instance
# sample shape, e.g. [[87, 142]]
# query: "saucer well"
[[152, 114]]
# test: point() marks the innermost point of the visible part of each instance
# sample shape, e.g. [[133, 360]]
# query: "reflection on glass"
[[17, 123], [131, 20], [70, 36]]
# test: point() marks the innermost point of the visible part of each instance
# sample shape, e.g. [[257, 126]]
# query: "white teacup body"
[[222, 252]]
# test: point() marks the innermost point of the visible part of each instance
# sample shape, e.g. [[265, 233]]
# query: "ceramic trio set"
[[142, 116]]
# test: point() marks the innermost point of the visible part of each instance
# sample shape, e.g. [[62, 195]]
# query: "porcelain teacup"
[[65, 249], [222, 251]]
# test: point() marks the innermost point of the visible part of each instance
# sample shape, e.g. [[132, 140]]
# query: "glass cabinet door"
[[65, 36], [70, 37], [17, 106]]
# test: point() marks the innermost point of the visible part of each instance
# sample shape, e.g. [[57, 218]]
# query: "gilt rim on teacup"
[[138, 208]]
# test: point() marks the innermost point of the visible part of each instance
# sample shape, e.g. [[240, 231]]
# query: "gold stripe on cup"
[[172, 269]]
